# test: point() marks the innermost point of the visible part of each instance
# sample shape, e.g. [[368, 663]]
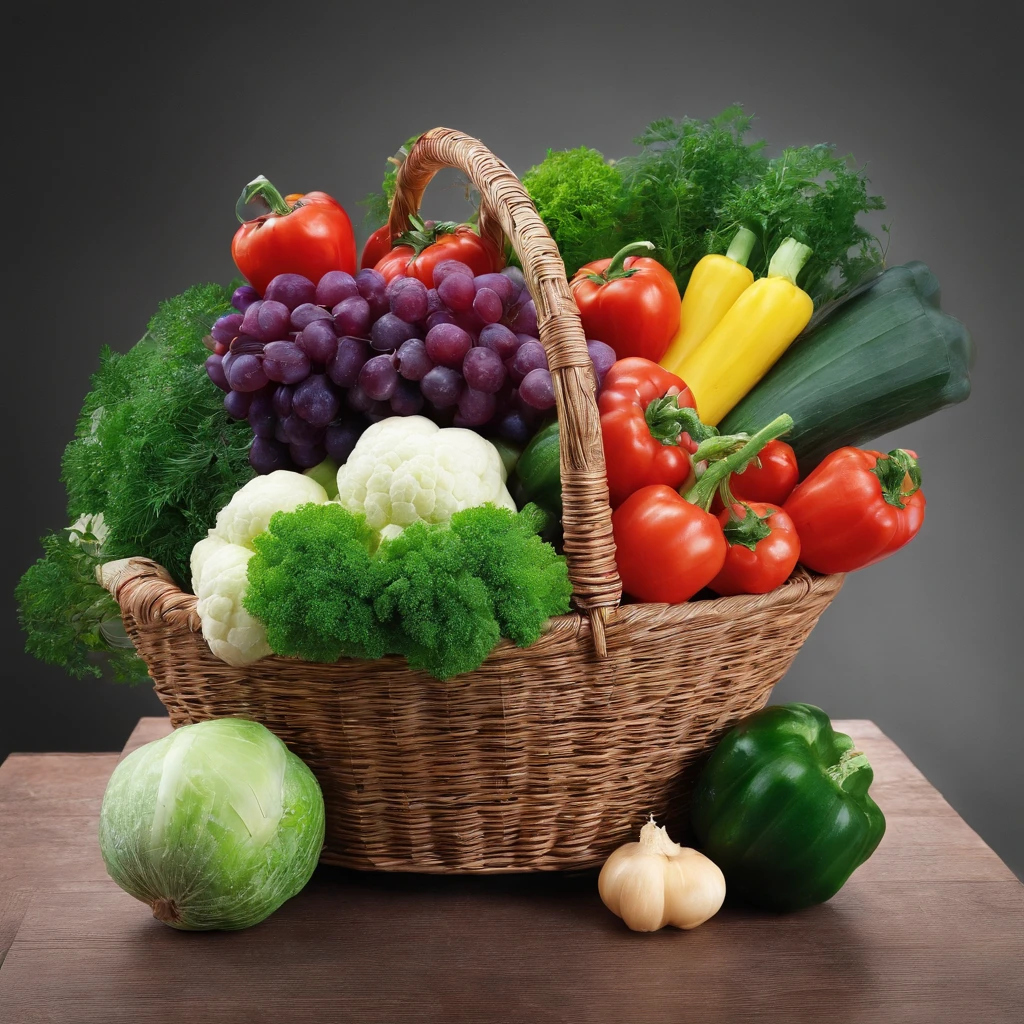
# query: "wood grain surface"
[[931, 929]]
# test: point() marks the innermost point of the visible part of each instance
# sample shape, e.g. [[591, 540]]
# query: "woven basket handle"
[[145, 592], [506, 207]]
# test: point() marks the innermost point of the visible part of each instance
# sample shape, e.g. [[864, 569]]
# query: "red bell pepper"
[[378, 245], [857, 507], [421, 248], [629, 302], [649, 427], [308, 234], [763, 548], [669, 547]]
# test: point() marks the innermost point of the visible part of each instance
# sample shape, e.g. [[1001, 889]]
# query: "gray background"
[[128, 142]]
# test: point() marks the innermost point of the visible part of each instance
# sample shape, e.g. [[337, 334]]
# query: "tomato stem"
[[616, 269], [261, 193], [742, 246], [703, 491]]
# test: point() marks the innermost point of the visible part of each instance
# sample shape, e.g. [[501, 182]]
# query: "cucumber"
[[885, 357], [538, 471]]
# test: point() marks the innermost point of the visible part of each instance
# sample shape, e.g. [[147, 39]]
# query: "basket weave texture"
[[544, 758]]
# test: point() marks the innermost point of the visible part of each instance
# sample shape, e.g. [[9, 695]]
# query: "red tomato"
[[420, 250], [629, 302], [773, 481], [856, 507], [763, 549], [666, 548]]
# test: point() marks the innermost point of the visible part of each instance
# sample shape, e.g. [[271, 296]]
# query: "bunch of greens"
[[441, 595], [693, 184], [156, 456]]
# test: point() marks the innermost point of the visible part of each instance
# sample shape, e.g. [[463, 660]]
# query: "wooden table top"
[[930, 929]]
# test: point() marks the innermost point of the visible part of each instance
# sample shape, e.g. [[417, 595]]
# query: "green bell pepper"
[[782, 807]]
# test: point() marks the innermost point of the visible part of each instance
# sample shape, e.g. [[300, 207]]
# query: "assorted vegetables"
[[365, 462]]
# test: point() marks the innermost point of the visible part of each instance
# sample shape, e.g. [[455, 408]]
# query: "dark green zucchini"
[[884, 358]]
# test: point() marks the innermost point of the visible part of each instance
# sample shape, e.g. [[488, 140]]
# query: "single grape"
[[352, 317], [448, 344], [529, 356], [513, 427], [522, 318], [537, 389], [498, 283], [475, 408], [266, 320], [409, 300], [499, 339], [225, 362], [237, 404], [318, 341], [340, 438], [281, 402], [413, 361], [243, 297], [284, 362], [390, 331], [268, 454], [344, 367], [293, 290], [280, 432], [261, 415], [379, 378], [315, 400], [359, 400], [307, 456], [483, 370], [487, 305], [434, 302], [246, 373], [516, 276], [602, 356], [439, 316], [215, 371], [302, 316], [457, 292], [299, 431], [442, 386], [227, 328], [407, 399], [445, 268], [334, 287], [373, 287]]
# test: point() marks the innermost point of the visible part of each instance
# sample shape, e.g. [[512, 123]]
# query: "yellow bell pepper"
[[715, 284], [757, 328]]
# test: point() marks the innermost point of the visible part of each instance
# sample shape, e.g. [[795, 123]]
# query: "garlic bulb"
[[655, 882]]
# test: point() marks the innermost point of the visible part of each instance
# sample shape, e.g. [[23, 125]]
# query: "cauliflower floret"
[[233, 634], [201, 553], [248, 512], [405, 468]]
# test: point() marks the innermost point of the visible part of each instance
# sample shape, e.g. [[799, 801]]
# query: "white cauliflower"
[[249, 510], [405, 469], [233, 634], [220, 561]]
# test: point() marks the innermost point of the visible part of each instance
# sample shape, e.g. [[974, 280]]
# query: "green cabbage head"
[[214, 826]]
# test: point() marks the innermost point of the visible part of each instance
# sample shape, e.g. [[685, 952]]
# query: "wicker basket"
[[544, 758]]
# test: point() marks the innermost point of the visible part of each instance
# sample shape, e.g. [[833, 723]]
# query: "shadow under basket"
[[544, 758]]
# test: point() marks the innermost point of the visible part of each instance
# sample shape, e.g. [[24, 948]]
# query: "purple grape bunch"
[[311, 364]]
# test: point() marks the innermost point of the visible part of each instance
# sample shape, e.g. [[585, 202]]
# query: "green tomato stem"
[[742, 246], [616, 269], [703, 491]]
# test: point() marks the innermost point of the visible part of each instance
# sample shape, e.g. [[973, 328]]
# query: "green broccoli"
[[441, 595]]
